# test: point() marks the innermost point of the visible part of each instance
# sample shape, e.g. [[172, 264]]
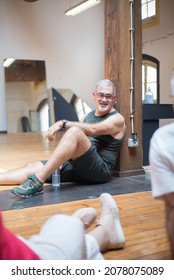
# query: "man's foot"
[[86, 215], [110, 221], [32, 186]]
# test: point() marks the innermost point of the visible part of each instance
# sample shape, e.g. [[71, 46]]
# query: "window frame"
[[153, 20], [152, 60]]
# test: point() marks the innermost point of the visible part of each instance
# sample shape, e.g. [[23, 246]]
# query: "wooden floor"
[[141, 216]]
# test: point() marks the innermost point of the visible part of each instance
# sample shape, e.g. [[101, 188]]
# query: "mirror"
[[30, 106], [65, 104], [26, 95]]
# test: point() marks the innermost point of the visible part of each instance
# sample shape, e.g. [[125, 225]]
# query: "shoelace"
[[26, 184]]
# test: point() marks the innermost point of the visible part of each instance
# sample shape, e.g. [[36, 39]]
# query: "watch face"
[[64, 123]]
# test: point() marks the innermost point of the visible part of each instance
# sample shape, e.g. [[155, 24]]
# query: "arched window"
[[150, 78]]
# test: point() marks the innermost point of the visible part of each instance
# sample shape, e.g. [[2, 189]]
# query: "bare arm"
[[114, 125]]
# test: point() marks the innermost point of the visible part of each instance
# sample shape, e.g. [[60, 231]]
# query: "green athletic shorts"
[[89, 168]]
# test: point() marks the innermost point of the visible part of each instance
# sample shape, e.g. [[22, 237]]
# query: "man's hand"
[[51, 132], [50, 135]]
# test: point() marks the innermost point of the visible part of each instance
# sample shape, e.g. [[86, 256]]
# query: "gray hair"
[[107, 82]]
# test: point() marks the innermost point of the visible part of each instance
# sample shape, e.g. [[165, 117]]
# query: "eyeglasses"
[[101, 95]]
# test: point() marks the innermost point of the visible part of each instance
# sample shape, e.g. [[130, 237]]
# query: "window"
[[148, 8], [150, 79], [150, 12]]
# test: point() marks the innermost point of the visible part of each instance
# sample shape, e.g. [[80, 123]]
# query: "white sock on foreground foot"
[[110, 221]]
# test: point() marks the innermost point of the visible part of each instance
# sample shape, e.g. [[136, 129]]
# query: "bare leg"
[[101, 236], [19, 175], [169, 206], [73, 144]]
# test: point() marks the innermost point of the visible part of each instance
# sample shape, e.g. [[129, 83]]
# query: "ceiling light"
[[8, 62], [82, 6]]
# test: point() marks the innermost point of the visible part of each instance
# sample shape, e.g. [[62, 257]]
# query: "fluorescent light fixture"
[[8, 62], [82, 6]]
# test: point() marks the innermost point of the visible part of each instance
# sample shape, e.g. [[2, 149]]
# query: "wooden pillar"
[[117, 69]]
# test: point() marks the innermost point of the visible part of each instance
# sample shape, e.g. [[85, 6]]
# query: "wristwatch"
[[64, 124]]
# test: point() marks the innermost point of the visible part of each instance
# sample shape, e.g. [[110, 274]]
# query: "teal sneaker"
[[32, 186]]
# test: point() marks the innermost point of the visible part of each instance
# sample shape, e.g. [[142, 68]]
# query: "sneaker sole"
[[26, 196]]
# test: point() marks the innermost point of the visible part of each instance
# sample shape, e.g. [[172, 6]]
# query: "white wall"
[[72, 47], [158, 41]]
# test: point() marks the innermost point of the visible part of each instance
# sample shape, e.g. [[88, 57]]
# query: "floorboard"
[[142, 217], [74, 191]]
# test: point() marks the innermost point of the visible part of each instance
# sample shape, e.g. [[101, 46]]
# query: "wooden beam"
[[117, 69]]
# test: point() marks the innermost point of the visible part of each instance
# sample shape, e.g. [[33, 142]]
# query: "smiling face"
[[104, 98]]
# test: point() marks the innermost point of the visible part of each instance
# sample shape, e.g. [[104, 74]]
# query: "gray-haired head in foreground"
[[106, 82]]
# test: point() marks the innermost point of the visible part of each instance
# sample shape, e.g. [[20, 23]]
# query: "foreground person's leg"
[[108, 232], [62, 237]]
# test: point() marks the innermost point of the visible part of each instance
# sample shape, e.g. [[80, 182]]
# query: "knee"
[[65, 227], [68, 222], [75, 131]]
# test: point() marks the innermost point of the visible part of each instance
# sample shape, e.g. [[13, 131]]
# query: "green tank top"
[[107, 147]]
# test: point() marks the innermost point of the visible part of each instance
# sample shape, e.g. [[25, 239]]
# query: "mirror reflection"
[[30, 106], [25, 82]]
